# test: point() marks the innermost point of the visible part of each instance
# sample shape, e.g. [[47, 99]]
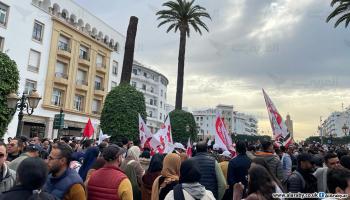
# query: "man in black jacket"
[[302, 179]]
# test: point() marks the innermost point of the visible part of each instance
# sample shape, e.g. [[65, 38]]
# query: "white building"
[[236, 123], [333, 125], [154, 87], [57, 44]]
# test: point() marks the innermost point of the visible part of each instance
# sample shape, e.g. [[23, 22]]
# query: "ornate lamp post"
[[28, 102], [345, 129]]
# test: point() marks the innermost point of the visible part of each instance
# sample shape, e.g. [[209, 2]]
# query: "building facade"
[[334, 123], [154, 87], [236, 123], [69, 55]]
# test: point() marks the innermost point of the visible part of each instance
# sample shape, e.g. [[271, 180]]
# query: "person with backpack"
[[189, 187], [302, 179]]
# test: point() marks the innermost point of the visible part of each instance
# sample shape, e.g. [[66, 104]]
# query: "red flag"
[[88, 130], [189, 148]]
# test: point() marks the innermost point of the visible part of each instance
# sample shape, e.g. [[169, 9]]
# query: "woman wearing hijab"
[[89, 159], [189, 187], [169, 177], [154, 169], [133, 170]]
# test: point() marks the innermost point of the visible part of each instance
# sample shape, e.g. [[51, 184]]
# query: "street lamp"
[[187, 128], [345, 129], [28, 102]]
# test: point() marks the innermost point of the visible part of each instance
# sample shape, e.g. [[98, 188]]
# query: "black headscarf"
[[189, 172], [156, 164]]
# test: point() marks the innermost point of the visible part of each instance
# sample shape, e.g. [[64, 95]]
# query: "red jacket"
[[104, 183]]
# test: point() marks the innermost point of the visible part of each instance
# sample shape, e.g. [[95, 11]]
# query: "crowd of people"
[[70, 169]]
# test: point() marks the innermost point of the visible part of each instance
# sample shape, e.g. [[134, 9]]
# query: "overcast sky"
[[283, 46]]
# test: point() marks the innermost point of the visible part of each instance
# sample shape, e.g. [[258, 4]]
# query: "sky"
[[283, 46]]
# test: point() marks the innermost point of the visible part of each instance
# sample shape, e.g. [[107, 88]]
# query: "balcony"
[[96, 112], [61, 78], [64, 50], [82, 84], [84, 59], [99, 90], [101, 67]]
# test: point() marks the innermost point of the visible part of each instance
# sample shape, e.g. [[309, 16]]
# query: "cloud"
[[284, 46]]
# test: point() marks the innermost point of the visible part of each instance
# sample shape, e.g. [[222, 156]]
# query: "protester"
[[32, 150], [14, 149], [179, 148], [302, 179], [338, 181], [286, 163], [110, 182], [133, 169], [260, 185], [35, 140], [238, 169], [272, 160], [145, 158], [8, 176], [63, 182], [212, 177], [225, 158], [331, 162], [153, 171], [345, 161], [98, 164], [169, 177], [89, 159], [251, 150], [189, 187]]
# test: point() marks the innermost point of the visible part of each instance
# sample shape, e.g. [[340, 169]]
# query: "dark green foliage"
[[329, 140], [179, 119], [9, 80], [250, 138], [119, 116]]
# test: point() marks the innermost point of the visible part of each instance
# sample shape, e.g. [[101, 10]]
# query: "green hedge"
[[329, 140], [119, 116], [179, 120], [9, 80]]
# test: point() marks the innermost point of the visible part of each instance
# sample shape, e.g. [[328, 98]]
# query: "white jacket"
[[208, 195]]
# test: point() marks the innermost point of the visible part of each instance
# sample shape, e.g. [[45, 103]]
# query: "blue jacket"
[[238, 170], [59, 186]]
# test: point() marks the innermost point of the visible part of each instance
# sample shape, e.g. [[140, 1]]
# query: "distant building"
[[289, 124], [333, 125], [244, 124]]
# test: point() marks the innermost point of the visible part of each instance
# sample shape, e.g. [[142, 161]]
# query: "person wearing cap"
[[225, 158], [110, 182], [32, 150], [302, 180], [179, 147]]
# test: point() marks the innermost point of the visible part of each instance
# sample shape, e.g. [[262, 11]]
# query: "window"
[[145, 74], [60, 70], [150, 114], [96, 106], [163, 81], [78, 102], [81, 77], [134, 71], [161, 93], [151, 101], [38, 31], [152, 89], [30, 85], [155, 102], [63, 43], [1, 44], [133, 83], [57, 97], [4, 11], [98, 83], [83, 52], [161, 104], [160, 116], [164, 95], [113, 84], [99, 60], [115, 68], [144, 87], [34, 61]]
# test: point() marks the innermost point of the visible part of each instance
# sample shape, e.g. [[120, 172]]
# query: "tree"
[[342, 10], [181, 15], [119, 117], [9, 80], [129, 50], [183, 126]]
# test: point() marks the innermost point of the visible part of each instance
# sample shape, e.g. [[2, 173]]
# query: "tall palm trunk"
[[180, 70], [129, 50]]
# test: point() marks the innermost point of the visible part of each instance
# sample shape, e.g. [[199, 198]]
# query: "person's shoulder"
[[209, 195], [170, 196]]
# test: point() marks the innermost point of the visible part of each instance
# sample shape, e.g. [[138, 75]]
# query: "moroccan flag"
[[279, 128], [88, 130], [222, 137]]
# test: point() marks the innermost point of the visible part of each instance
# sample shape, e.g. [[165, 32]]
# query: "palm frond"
[[341, 19]]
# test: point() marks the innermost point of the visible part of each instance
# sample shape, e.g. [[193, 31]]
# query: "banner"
[[189, 148], [279, 128], [222, 137]]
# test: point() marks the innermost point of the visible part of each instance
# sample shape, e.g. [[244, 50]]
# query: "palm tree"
[[342, 9], [181, 15]]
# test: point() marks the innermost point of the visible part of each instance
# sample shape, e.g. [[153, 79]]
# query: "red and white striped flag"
[[222, 137]]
